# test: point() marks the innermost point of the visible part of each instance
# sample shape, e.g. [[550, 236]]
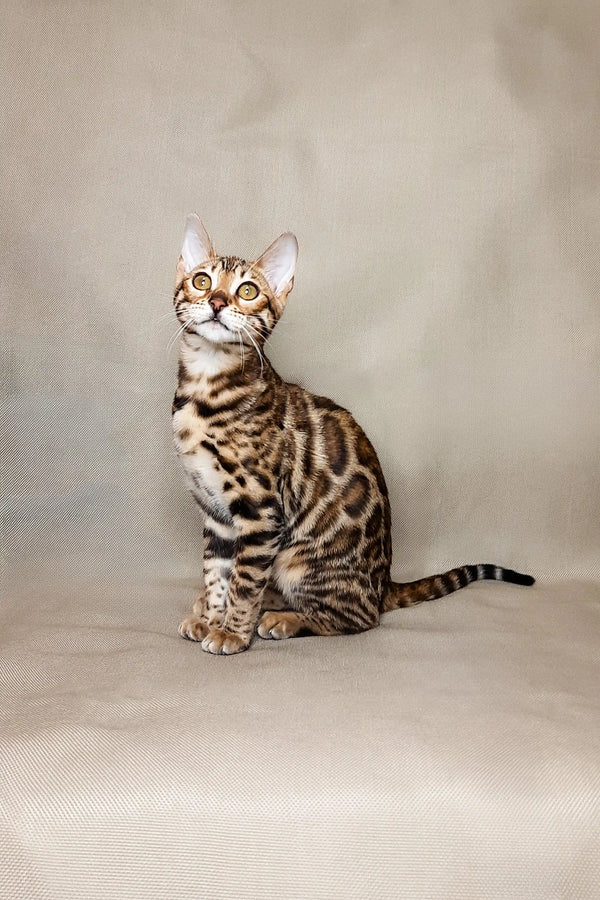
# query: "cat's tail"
[[400, 595]]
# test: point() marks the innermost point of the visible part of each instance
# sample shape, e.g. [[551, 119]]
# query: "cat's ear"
[[278, 264], [197, 246]]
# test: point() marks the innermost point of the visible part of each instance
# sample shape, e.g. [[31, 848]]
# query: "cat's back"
[[334, 496], [327, 442], [332, 434]]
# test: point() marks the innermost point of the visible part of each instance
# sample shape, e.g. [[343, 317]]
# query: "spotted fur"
[[297, 519]]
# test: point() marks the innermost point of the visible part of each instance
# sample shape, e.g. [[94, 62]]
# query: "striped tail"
[[400, 595]]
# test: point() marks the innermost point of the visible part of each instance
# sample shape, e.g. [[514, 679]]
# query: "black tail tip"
[[517, 577]]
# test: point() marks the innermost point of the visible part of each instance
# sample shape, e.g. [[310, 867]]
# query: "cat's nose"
[[218, 302]]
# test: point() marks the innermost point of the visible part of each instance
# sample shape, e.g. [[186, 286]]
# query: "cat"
[[297, 524]]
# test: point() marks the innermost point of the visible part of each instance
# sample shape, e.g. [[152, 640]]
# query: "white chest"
[[204, 476]]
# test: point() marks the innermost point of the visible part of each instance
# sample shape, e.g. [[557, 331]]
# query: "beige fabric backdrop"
[[439, 164]]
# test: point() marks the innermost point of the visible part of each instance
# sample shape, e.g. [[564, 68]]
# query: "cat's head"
[[224, 298]]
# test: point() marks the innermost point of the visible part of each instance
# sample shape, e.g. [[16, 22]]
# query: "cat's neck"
[[202, 361]]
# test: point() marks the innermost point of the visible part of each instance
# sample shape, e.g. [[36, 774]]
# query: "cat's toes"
[[193, 628], [225, 642], [277, 626]]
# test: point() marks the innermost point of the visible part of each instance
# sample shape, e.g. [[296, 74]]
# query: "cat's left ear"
[[278, 264], [197, 246]]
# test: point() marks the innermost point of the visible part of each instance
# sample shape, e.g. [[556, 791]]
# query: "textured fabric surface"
[[452, 752], [439, 165]]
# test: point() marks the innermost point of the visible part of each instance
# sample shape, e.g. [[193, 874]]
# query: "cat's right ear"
[[197, 247], [278, 264]]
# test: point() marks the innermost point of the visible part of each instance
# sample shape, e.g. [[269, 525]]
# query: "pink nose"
[[218, 302]]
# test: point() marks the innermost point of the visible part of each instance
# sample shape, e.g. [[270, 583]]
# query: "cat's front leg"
[[208, 608], [194, 626], [258, 539]]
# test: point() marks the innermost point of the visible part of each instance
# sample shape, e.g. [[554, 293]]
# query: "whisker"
[[242, 349], [162, 319], [258, 332], [253, 327], [254, 330], [179, 331], [257, 348], [163, 324], [166, 315]]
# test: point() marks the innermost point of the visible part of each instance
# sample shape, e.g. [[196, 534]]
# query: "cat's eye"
[[247, 291], [201, 281]]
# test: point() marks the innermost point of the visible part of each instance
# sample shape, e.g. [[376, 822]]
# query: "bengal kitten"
[[296, 511]]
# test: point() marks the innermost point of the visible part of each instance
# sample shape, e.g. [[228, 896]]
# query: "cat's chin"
[[215, 332]]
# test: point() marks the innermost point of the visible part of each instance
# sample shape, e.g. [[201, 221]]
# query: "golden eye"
[[247, 291], [201, 281]]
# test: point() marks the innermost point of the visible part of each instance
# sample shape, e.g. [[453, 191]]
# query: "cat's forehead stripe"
[[231, 263]]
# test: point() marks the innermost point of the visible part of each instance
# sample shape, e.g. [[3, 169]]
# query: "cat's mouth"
[[212, 328], [215, 321]]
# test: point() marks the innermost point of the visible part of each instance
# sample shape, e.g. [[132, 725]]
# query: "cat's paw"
[[226, 642], [278, 625], [193, 628]]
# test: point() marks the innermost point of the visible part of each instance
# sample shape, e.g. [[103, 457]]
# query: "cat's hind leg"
[[273, 599], [278, 625]]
